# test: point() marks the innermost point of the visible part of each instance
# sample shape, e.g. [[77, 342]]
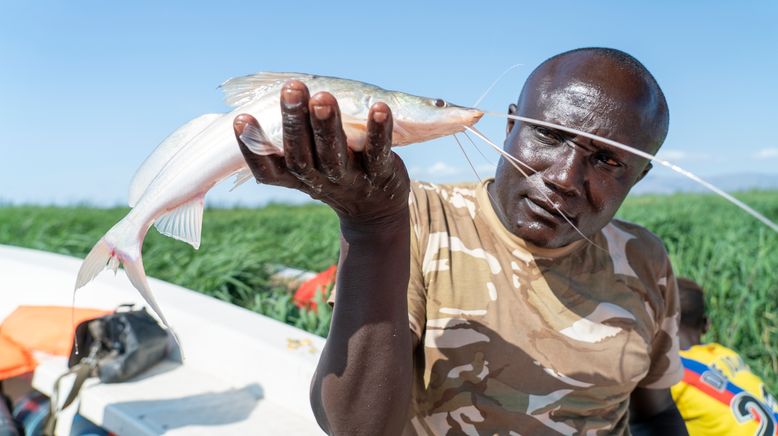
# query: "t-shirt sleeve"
[[666, 368], [417, 293]]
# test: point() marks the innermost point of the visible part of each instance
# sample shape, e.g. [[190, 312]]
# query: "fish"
[[168, 190]]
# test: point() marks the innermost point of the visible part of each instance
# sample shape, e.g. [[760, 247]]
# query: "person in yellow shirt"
[[719, 395]]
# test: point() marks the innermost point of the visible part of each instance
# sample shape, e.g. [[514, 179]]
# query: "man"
[[520, 324], [718, 394]]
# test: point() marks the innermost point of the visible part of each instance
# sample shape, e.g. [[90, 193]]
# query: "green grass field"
[[732, 255]]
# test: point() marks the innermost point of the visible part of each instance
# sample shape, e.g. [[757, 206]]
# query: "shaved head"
[[577, 184], [605, 78]]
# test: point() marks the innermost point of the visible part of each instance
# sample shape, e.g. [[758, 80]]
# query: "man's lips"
[[545, 209]]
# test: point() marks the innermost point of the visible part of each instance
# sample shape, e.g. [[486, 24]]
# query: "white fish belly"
[[211, 157]]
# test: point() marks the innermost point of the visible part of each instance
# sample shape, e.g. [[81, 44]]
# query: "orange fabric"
[[305, 296], [14, 360], [46, 328]]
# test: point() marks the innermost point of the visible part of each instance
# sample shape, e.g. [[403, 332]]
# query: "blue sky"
[[89, 88]]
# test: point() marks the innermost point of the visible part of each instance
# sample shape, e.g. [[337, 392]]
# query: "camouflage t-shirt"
[[516, 339]]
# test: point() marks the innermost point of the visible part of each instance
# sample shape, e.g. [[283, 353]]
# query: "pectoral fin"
[[257, 142], [241, 177], [184, 222], [356, 132]]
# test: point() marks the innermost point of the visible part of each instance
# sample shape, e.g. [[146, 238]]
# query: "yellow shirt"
[[719, 395]]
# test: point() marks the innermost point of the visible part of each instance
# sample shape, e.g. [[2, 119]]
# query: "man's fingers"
[[298, 138], [269, 169], [330, 141], [377, 155]]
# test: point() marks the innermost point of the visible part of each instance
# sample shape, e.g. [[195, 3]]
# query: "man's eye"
[[607, 160], [547, 135]]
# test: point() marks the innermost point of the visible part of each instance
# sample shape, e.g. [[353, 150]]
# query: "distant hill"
[[662, 184]]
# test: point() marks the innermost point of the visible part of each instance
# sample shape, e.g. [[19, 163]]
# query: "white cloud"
[[486, 169], [440, 169], [767, 153], [675, 155], [439, 172], [443, 172]]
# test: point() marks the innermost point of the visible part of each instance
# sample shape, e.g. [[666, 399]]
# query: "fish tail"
[[133, 267], [121, 245], [94, 263], [137, 275]]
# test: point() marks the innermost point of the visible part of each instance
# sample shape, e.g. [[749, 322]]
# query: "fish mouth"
[[472, 115], [476, 116]]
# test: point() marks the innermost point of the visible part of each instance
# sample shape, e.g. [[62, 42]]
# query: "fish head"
[[419, 119], [416, 118]]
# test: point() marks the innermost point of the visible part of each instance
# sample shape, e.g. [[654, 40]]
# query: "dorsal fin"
[[164, 151], [241, 90]]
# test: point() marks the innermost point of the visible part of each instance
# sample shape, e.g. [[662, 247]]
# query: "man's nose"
[[566, 174]]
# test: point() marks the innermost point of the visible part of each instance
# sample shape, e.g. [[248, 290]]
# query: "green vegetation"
[[733, 256], [735, 259], [239, 251]]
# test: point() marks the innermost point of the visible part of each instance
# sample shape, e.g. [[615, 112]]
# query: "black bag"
[[121, 345], [114, 348]]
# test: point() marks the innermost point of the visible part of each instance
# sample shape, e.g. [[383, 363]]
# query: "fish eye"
[[440, 103]]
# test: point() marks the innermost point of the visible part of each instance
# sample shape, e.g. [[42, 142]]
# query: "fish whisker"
[[496, 81], [469, 162], [478, 149]]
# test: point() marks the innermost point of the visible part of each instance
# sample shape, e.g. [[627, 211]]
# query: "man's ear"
[[512, 109], [645, 171]]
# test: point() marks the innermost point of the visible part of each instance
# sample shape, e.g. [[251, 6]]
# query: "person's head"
[[694, 321], [601, 91], [692, 305]]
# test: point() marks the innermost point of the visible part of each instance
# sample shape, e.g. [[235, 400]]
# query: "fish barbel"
[[169, 188]]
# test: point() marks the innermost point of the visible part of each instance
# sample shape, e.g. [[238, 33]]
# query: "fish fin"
[[241, 90], [184, 222], [110, 254], [257, 141], [241, 177], [133, 267], [94, 262], [356, 132], [154, 163]]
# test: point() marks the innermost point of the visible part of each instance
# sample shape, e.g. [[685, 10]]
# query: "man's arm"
[[653, 412], [363, 381]]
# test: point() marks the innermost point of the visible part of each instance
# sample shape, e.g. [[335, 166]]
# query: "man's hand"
[[362, 187], [363, 380]]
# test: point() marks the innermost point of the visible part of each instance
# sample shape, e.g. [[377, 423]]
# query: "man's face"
[[585, 179]]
